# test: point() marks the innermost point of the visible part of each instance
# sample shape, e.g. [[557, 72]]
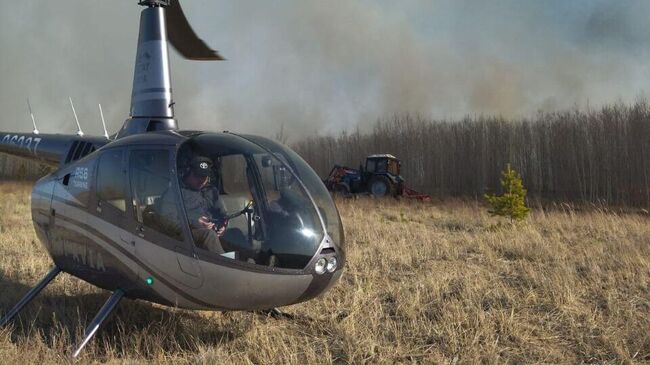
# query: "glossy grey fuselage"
[[111, 251]]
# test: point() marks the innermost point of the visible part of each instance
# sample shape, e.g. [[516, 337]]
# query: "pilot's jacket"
[[202, 203], [198, 203]]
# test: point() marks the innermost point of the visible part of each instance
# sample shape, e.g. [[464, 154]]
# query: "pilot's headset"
[[184, 163]]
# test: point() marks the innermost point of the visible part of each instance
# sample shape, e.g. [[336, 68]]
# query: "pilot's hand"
[[205, 223], [222, 229]]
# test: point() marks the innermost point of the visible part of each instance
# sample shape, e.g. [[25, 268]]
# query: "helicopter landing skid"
[[30, 295], [103, 313]]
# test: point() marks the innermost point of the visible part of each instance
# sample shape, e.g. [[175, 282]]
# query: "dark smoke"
[[323, 66]]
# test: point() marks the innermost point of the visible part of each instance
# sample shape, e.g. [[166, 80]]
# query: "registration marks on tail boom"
[[26, 142]]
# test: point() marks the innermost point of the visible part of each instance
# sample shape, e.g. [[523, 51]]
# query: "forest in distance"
[[594, 156], [588, 156]]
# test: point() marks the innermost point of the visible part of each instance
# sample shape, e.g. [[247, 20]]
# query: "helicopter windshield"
[[313, 183], [244, 203]]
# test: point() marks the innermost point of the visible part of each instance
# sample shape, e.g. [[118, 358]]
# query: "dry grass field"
[[425, 283]]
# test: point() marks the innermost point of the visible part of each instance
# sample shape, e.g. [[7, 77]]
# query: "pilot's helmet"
[[200, 166]]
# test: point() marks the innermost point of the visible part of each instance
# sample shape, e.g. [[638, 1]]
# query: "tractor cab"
[[383, 164]]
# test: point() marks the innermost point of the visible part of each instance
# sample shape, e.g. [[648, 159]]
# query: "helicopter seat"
[[148, 215], [234, 203], [118, 203], [148, 211]]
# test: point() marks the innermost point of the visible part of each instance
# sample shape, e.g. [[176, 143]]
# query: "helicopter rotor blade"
[[184, 39]]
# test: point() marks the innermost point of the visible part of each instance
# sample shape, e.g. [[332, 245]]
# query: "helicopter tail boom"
[[51, 149]]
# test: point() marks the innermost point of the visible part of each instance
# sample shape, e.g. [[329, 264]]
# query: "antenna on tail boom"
[[80, 133], [31, 114], [101, 114]]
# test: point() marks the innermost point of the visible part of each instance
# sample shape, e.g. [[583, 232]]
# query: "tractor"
[[380, 178]]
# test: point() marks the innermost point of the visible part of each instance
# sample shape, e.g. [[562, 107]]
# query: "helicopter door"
[[160, 239], [111, 197], [55, 233]]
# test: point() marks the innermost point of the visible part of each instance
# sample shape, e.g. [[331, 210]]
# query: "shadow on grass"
[[135, 327]]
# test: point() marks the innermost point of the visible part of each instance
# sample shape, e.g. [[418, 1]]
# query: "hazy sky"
[[321, 66]]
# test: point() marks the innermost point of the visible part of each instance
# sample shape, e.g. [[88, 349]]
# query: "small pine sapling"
[[512, 203]]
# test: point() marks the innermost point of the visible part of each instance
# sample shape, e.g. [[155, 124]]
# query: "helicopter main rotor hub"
[[152, 3]]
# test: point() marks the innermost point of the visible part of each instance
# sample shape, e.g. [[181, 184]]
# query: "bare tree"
[[590, 156], [281, 136]]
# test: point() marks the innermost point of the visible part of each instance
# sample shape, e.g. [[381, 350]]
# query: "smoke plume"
[[323, 66]]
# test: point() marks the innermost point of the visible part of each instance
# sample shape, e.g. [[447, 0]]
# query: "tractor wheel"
[[380, 186]]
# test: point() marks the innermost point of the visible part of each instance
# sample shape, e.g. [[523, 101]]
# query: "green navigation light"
[[149, 280]]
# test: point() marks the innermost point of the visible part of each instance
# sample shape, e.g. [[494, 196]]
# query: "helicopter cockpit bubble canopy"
[[267, 205]]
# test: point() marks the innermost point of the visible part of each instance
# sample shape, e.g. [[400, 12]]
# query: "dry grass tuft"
[[424, 284]]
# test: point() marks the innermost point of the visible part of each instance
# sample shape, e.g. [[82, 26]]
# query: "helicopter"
[[116, 212]]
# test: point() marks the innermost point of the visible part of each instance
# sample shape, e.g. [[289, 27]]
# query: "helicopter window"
[[233, 175], [215, 201], [154, 199], [313, 184], [110, 180], [281, 228], [288, 206], [235, 196]]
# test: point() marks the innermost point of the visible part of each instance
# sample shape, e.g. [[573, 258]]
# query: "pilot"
[[203, 206]]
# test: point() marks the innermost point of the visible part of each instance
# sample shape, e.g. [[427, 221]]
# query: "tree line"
[[598, 156], [16, 168]]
